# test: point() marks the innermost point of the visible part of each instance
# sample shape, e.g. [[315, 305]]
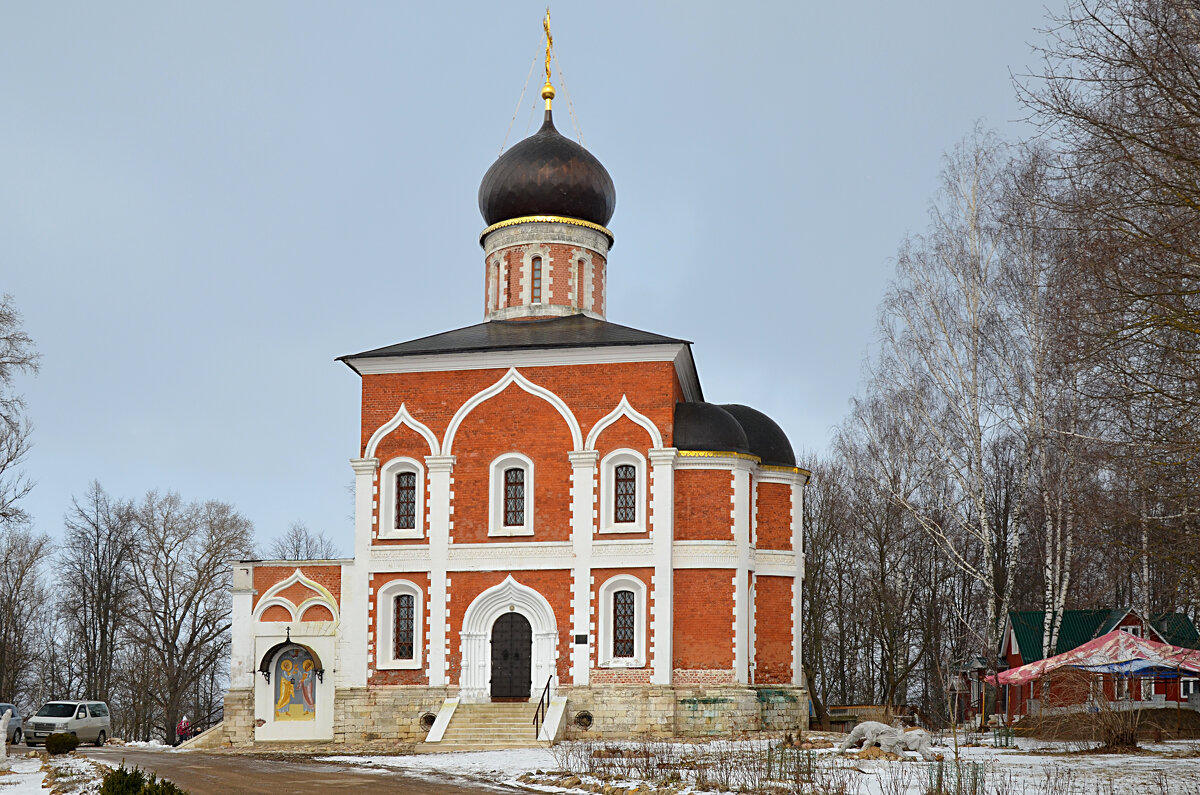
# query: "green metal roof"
[[1080, 626]]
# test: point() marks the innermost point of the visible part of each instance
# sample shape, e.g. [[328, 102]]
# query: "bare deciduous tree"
[[94, 576], [301, 543], [16, 356], [181, 577]]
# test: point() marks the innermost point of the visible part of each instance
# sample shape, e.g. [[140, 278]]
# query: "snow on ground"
[[1029, 768], [151, 745], [24, 778], [497, 767]]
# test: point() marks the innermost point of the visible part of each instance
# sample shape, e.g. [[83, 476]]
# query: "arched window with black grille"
[[514, 497], [623, 624], [406, 501], [405, 629], [625, 494]]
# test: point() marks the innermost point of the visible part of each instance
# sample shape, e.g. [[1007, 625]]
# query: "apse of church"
[[546, 509]]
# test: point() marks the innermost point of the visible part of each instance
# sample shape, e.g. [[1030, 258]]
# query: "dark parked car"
[[15, 728]]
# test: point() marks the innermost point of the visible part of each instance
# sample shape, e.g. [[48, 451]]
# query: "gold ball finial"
[[547, 91]]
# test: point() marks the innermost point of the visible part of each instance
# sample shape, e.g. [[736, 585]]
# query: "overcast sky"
[[202, 205]]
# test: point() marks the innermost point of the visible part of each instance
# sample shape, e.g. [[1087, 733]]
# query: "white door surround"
[[508, 596]]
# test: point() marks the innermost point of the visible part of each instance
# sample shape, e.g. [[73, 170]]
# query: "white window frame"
[[1189, 683], [604, 622], [496, 526], [385, 634], [387, 498], [608, 488]]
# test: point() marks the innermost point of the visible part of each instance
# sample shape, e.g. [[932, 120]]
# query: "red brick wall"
[[703, 636], [774, 516], [601, 576], [317, 613], [554, 586], [276, 613], [329, 576], [513, 421], [703, 506], [773, 630], [406, 676]]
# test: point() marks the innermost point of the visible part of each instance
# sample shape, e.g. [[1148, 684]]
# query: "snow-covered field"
[[1030, 769]]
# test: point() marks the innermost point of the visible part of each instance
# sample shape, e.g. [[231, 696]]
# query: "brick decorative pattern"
[[562, 273], [774, 516]]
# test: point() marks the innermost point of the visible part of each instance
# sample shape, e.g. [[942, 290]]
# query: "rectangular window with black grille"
[[514, 497], [406, 501], [623, 624], [625, 508], [404, 630]]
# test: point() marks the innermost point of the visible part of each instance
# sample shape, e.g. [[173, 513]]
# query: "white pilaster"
[[352, 641], [662, 534], [798, 579], [583, 486], [439, 468], [241, 653], [741, 595]]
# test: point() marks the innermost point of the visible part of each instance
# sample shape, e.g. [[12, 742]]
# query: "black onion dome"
[[547, 174], [706, 426], [767, 440]]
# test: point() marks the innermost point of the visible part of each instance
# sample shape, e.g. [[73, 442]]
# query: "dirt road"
[[226, 774]]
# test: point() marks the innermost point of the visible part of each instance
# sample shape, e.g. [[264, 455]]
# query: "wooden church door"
[[512, 650]]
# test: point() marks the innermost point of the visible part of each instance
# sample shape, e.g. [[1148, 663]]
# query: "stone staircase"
[[485, 727]]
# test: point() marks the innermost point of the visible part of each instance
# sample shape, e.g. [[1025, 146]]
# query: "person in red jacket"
[[183, 730]]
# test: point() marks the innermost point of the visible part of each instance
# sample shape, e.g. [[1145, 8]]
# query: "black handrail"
[[539, 715]]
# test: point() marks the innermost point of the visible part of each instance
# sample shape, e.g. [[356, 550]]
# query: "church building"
[[548, 518]]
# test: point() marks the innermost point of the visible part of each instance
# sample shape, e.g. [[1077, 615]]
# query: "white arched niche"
[[507, 597]]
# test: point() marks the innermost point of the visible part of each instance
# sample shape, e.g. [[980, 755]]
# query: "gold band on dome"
[[717, 454], [793, 470], [546, 219]]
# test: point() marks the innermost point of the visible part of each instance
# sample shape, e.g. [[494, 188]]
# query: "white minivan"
[[87, 720]]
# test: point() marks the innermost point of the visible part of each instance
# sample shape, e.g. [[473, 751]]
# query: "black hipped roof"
[[572, 331]]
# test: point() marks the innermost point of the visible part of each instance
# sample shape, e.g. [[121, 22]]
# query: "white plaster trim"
[[387, 498], [775, 563], [604, 622], [623, 409], [508, 596], [512, 377], [496, 511], [402, 418], [542, 252], [385, 610], [537, 357], [323, 595], [608, 484], [704, 554]]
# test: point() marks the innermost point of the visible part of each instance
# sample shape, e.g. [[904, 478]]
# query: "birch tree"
[[936, 324]]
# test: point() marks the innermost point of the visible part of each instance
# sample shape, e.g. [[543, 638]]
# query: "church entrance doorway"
[[512, 657]]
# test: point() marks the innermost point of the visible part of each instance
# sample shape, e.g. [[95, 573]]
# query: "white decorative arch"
[[481, 614], [509, 378], [623, 409], [272, 597], [402, 418]]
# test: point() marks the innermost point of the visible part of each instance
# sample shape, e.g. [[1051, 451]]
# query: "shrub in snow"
[[61, 743]]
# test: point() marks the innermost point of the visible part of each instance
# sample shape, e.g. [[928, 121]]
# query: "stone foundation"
[[618, 711]]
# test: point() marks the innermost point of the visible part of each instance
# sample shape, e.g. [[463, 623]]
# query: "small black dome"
[[767, 439], [706, 426], [547, 174]]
